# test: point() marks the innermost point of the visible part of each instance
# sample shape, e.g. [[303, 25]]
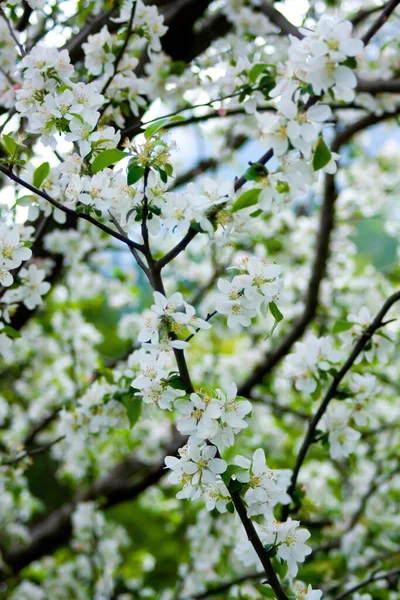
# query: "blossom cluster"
[[249, 293], [18, 284], [317, 65]]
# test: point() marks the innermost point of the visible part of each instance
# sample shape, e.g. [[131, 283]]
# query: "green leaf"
[[235, 486], [256, 172], [160, 124], [317, 392], [266, 592], [25, 200], [278, 316], [256, 71], [249, 198], [226, 477], [107, 158], [176, 382], [169, 169], [230, 508], [256, 213], [322, 155], [77, 116], [343, 392], [340, 326], [135, 173], [10, 144], [282, 187], [163, 175], [40, 174], [133, 405], [10, 331], [280, 567], [350, 62]]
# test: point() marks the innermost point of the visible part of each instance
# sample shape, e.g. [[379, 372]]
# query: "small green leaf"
[[256, 213], [10, 144], [249, 198], [163, 175], [107, 158], [350, 62], [10, 331], [256, 71], [266, 592], [317, 392], [176, 382], [322, 155], [40, 174], [133, 405], [226, 477], [278, 316], [256, 172], [282, 187], [340, 326], [135, 173], [235, 486], [230, 508], [25, 200], [160, 124], [280, 567], [343, 392], [169, 169], [77, 116]]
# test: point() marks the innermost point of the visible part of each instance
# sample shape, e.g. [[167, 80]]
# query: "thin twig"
[[389, 575], [122, 50], [12, 32], [69, 211], [33, 452]]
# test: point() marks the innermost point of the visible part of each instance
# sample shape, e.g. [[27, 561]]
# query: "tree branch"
[[380, 21], [395, 574], [70, 211], [326, 226], [376, 324]]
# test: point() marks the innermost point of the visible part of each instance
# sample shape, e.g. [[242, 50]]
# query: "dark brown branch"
[[121, 53], [376, 324], [380, 21], [321, 257], [70, 211], [278, 19], [125, 482], [361, 15]]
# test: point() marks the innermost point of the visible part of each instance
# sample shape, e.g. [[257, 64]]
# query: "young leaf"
[[350, 62], [226, 477], [317, 392], [322, 155], [135, 173], [249, 198], [160, 124], [255, 172], [340, 326], [256, 71], [133, 406], [40, 174], [278, 316], [10, 331], [107, 158], [10, 145], [25, 200]]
